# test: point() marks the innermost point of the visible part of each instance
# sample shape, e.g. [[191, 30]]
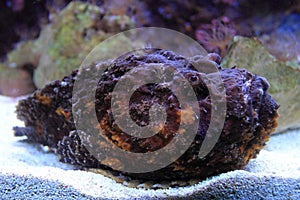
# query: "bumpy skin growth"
[[250, 118]]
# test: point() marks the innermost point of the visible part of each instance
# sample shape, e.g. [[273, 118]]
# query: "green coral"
[[284, 79], [25, 53], [63, 45]]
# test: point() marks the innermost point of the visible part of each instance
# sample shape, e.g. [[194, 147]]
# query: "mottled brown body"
[[250, 118]]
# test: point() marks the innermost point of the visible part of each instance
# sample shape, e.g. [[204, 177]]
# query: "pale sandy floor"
[[27, 171]]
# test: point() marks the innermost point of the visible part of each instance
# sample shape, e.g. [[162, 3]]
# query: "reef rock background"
[[42, 41]]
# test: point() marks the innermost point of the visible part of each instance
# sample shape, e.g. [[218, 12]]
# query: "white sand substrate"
[[30, 172]]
